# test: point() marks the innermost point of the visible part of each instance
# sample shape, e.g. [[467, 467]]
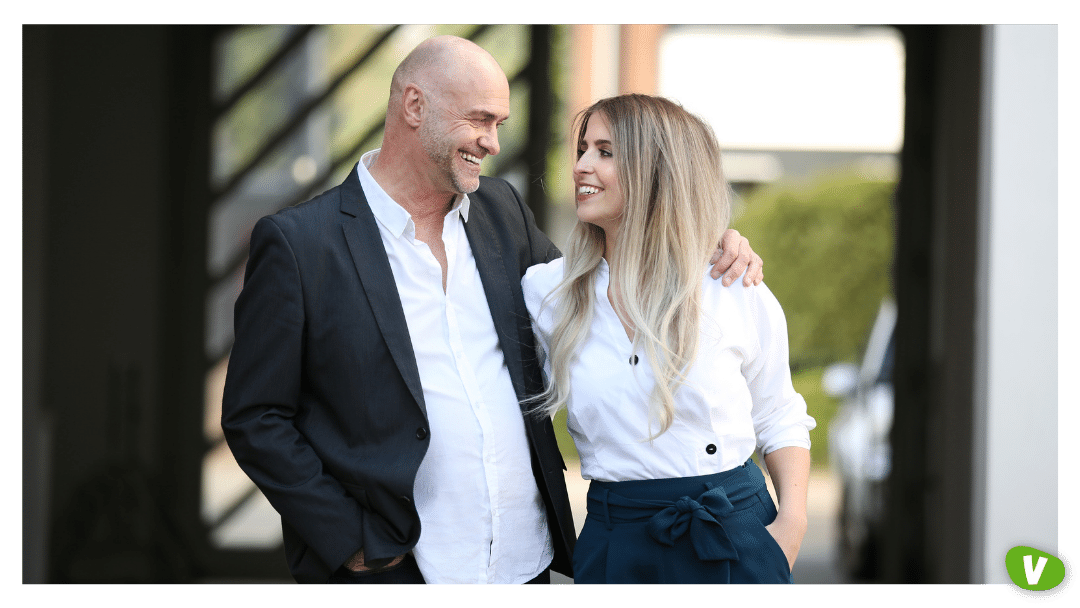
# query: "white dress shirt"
[[481, 515], [738, 396]]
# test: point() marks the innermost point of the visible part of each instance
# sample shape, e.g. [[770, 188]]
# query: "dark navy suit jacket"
[[323, 407]]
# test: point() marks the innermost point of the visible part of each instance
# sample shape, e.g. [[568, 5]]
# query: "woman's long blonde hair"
[[677, 207]]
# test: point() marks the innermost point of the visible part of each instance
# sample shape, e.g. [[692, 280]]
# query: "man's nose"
[[490, 141]]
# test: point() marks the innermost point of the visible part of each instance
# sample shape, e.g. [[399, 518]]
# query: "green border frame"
[[688, 11]]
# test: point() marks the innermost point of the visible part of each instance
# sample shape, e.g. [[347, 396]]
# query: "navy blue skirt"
[[706, 529]]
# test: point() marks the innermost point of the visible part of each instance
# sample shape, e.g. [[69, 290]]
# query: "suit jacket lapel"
[[369, 257], [498, 289]]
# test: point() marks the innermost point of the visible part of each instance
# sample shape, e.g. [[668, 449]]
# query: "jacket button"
[[421, 433], [633, 360], [710, 449]]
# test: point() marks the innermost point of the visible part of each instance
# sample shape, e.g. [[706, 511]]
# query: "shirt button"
[[710, 449], [633, 359], [421, 433]]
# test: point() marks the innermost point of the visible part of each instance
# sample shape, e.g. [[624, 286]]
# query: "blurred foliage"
[[566, 442], [822, 407], [827, 244], [241, 131]]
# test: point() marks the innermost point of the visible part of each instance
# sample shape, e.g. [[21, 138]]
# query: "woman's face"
[[599, 197]]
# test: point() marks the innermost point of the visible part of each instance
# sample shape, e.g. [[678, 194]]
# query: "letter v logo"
[[1033, 574], [1034, 570]]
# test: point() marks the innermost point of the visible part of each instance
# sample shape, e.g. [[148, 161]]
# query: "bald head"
[[440, 64]]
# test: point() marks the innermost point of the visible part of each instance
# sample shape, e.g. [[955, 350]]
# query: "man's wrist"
[[359, 563], [376, 564]]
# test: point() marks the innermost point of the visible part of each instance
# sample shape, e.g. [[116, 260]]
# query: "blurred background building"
[[871, 164]]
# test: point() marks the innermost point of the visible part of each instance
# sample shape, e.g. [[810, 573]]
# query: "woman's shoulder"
[[541, 279], [543, 274], [742, 297]]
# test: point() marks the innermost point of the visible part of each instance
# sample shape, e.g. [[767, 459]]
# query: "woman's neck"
[[614, 293], [610, 237]]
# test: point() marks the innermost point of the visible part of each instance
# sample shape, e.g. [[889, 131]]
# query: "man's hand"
[[788, 533], [735, 256], [356, 563]]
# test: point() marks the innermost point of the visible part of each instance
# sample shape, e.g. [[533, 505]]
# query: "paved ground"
[[816, 563], [817, 558]]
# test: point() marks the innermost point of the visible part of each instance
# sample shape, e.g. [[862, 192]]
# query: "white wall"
[[767, 87], [1016, 392]]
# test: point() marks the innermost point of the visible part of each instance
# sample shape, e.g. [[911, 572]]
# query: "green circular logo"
[[1034, 570]]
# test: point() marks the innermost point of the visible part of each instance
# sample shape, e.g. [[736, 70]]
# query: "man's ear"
[[412, 104]]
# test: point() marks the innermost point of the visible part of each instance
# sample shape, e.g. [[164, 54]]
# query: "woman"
[[670, 380]]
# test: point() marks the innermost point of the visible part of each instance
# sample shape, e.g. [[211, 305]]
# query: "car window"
[[885, 373]]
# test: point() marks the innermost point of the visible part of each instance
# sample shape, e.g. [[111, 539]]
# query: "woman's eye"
[[605, 153]]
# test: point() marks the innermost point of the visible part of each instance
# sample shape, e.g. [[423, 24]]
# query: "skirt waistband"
[[623, 501], [673, 507]]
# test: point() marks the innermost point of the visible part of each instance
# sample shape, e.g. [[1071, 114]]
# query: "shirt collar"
[[386, 210]]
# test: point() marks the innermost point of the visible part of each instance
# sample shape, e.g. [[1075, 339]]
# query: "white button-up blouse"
[[738, 396]]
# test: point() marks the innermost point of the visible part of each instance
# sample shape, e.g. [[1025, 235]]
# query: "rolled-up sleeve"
[[779, 413]]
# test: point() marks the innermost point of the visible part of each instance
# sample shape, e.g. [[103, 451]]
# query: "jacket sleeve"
[[262, 398]]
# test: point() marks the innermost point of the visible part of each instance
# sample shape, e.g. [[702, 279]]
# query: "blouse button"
[[710, 449], [633, 359]]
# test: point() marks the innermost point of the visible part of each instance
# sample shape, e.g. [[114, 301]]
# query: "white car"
[[859, 448]]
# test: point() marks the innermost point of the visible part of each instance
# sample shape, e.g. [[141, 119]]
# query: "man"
[[383, 346]]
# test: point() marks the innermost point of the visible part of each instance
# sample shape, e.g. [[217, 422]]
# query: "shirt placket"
[[465, 369]]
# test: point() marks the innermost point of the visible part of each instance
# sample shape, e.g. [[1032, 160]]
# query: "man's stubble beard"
[[436, 148]]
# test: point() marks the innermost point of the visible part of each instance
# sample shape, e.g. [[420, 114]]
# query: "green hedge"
[[827, 246], [822, 407]]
